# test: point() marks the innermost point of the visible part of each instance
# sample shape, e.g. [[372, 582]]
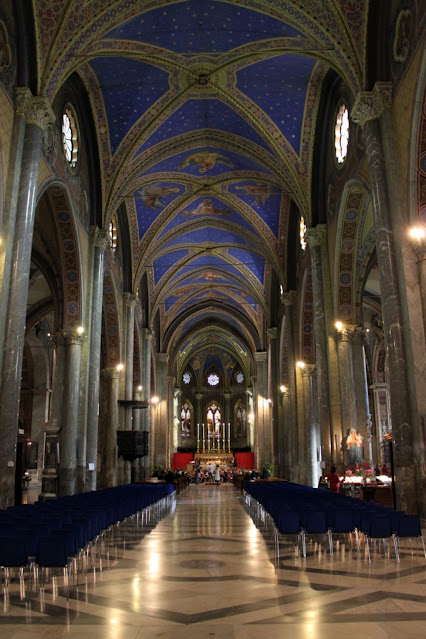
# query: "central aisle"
[[205, 570]]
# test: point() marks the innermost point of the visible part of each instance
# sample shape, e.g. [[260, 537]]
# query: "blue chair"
[[380, 527], [52, 553], [13, 554], [409, 527]]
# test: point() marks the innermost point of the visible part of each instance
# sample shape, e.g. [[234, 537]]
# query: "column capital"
[[147, 333], [347, 333], [99, 237], [227, 395], [419, 248], [316, 235], [370, 105], [272, 332], [308, 370], [261, 357], [66, 338], [110, 373], [35, 110], [288, 298], [198, 396], [130, 300], [162, 357]]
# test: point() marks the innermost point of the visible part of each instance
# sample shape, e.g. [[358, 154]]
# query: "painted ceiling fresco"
[[204, 114]]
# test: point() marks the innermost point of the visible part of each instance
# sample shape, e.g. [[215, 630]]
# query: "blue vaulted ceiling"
[[205, 111]]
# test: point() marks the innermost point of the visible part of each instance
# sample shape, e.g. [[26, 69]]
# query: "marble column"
[[68, 434], [292, 445], [367, 109], [263, 435], [99, 240], [317, 238], [129, 303], [250, 420], [286, 435], [38, 116], [383, 415], [136, 425], [311, 468], [273, 384], [161, 430], [177, 423], [147, 339], [361, 390], [347, 384], [111, 380]]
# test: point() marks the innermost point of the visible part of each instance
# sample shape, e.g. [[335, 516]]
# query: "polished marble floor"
[[206, 570]]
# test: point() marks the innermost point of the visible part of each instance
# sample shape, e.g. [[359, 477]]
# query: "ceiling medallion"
[[202, 78]]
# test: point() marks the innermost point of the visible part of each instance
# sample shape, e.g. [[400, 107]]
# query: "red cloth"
[[334, 480], [181, 460], [245, 460]]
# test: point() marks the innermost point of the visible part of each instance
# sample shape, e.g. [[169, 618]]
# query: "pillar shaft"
[[316, 239], [367, 109], [263, 433], [111, 380], [99, 241], [292, 444], [346, 376], [68, 435], [273, 385], [311, 464], [38, 116]]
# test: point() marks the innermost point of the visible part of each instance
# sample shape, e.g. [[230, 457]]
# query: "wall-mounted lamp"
[[283, 388], [417, 233], [155, 400], [339, 326], [80, 330], [251, 416], [119, 367], [139, 388], [300, 364]]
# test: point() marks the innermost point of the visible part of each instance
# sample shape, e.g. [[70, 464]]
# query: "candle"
[[198, 433], [203, 434], [229, 430]]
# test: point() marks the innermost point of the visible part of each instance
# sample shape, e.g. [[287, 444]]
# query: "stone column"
[[250, 420], [361, 389], [273, 383], [286, 435], [316, 238], [177, 423], [263, 435], [136, 425], [383, 416], [161, 410], [38, 116], [129, 304], [311, 462], [367, 109], [68, 435], [147, 338], [171, 425], [99, 240], [111, 380], [347, 384], [292, 445]]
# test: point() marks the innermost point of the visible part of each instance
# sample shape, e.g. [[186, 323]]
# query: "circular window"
[[70, 136], [186, 378], [213, 380], [341, 134], [239, 377]]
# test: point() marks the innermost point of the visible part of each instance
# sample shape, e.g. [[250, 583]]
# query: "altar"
[[223, 458]]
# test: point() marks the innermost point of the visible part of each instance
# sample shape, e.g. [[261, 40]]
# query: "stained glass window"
[[69, 137], [186, 378], [341, 134], [239, 377], [213, 380]]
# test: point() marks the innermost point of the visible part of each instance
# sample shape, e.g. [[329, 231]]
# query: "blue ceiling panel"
[[208, 207], [151, 199], [201, 26], [208, 234], [129, 88], [254, 262], [208, 262], [278, 85], [196, 115], [166, 261], [263, 197]]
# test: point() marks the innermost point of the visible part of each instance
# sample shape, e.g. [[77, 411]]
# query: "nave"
[[205, 569]]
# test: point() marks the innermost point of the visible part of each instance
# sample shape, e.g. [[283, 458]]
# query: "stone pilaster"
[[316, 239], [38, 116], [285, 434], [368, 108], [147, 345], [361, 390], [311, 463], [98, 241], [347, 384], [129, 303], [273, 384], [160, 410]]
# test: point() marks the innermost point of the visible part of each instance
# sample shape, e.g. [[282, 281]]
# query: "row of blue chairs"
[[301, 510], [60, 533]]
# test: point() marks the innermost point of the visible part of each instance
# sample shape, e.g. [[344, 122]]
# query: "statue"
[[354, 444]]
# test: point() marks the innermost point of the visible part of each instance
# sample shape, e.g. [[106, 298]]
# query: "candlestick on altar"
[[204, 441]]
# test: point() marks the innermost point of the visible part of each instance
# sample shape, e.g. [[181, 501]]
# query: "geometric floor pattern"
[[205, 570]]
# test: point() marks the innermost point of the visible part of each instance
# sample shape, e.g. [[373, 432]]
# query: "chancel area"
[[212, 253]]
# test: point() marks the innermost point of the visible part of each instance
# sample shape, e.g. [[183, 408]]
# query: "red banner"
[[181, 460], [245, 460]]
